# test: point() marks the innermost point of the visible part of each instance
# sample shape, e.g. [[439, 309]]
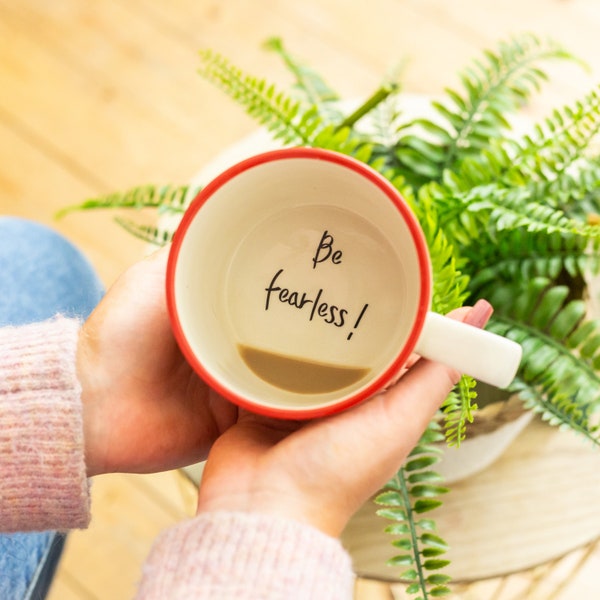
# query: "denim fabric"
[[41, 274], [27, 564]]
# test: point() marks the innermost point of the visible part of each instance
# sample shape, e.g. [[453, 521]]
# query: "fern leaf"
[[415, 490], [147, 233], [459, 409], [550, 162], [496, 86], [282, 116], [547, 159], [561, 412], [449, 281], [561, 351], [168, 198], [494, 209], [385, 120], [289, 121], [522, 255], [576, 191], [561, 140], [468, 122], [310, 83]]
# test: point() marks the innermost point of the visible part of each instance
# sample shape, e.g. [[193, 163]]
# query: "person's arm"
[[43, 483], [244, 556], [113, 395]]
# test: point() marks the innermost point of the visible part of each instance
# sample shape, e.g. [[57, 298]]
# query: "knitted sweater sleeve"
[[43, 483], [245, 556]]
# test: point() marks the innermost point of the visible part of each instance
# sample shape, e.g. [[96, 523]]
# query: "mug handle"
[[487, 357]]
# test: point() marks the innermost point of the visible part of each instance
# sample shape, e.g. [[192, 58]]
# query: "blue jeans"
[[41, 274]]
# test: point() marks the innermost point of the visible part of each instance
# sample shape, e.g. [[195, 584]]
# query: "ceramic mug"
[[299, 283]]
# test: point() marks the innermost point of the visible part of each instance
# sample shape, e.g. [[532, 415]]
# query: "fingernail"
[[480, 314]]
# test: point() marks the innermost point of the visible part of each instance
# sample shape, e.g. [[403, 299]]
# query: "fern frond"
[[549, 162], [385, 120], [493, 208], [522, 255], [147, 233], [561, 412], [459, 409], [309, 83], [288, 120], [341, 140], [575, 191], [469, 121], [449, 280], [561, 350], [492, 164], [546, 161], [415, 490], [560, 141], [168, 198], [281, 115], [495, 87]]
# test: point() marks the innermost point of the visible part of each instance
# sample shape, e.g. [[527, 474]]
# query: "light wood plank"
[[579, 581], [33, 186], [120, 129], [64, 587], [105, 560], [505, 519], [573, 24]]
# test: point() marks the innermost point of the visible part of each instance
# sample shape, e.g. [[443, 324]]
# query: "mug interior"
[[298, 282]]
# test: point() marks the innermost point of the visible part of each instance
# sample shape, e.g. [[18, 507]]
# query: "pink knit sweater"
[[43, 485]]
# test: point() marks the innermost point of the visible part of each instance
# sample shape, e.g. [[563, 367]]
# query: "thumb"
[[388, 426]]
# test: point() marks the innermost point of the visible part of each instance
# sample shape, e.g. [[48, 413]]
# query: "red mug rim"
[[424, 268]]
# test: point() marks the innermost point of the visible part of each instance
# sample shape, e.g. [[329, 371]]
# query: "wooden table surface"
[[100, 96]]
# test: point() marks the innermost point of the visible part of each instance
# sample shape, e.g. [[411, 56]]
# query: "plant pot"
[[534, 504], [497, 423]]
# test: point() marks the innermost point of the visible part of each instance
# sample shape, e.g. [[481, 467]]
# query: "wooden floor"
[[99, 96]]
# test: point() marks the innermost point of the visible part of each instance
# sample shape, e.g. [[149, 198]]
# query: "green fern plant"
[[511, 218]]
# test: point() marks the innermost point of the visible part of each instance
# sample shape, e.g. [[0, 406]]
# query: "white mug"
[[299, 283]]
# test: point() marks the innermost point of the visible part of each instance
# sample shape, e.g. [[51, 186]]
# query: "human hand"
[[320, 472], [144, 408]]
